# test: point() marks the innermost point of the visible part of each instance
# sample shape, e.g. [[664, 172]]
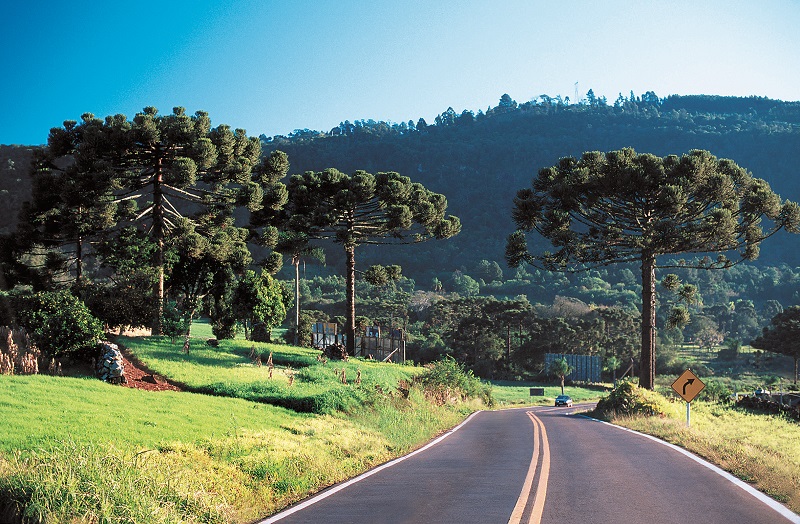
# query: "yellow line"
[[522, 501], [541, 488]]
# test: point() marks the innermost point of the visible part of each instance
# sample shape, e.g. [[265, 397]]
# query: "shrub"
[[224, 327], [448, 380], [173, 325], [717, 391], [127, 302], [629, 399], [57, 322], [307, 319]]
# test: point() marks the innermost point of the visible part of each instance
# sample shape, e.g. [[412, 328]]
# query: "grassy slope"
[[228, 371], [77, 450], [36, 410]]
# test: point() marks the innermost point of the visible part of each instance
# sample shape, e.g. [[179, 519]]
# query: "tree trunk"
[[79, 260], [350, 284], [158, 234], [647, 365], [188, 334], [296, 262], [508, 345], [795, 369]]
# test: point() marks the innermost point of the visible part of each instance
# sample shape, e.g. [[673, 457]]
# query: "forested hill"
[[480, 160]]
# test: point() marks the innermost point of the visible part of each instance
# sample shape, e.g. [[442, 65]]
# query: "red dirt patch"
[[139, 377]]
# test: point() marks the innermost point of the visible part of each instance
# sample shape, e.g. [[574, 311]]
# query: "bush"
[[127, 302], [629, 399], [57, 322], [307, 318], [173, 325], [448, 380], [224, 328], [767, 405], [717, 391]]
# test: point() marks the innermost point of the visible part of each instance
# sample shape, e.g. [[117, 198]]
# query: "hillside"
[[480, 161], [15, 186]]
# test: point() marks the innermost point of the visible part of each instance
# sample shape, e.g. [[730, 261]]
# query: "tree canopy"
[[363, 208], [606, 208], [140, 170]]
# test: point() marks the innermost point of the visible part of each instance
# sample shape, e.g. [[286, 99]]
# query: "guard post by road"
[[688, 386]]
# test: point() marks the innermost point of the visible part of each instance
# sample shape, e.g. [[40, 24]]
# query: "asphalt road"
[[539, 465]]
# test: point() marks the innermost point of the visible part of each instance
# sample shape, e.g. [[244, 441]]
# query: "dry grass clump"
[[18, 355]]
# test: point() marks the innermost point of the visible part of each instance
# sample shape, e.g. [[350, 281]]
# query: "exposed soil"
[[139, 377]]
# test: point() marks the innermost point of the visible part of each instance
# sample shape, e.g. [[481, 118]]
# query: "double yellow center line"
[[527, 511]]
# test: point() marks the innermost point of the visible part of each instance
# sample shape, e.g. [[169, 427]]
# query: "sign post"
[[688, 386]]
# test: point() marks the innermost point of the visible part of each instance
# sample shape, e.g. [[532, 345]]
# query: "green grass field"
[[507, 394], [228, 371], [78, 450]]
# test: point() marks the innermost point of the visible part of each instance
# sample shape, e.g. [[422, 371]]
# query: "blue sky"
[[274, 66]]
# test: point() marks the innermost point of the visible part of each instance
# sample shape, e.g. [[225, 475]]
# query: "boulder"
[[110, 366]]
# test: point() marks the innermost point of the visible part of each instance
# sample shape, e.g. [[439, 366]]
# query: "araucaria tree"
[[173, 175], [606, 208], [385, 208]]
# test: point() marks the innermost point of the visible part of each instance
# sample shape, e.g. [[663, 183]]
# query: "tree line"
[[168, 197], [129, 215]]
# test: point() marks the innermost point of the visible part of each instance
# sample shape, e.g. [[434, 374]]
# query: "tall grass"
[[93, 483]]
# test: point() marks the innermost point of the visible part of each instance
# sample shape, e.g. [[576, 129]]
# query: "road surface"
[[540, 466]]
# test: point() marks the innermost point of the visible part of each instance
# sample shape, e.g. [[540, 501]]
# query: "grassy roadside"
[[761, 449], [77, 450]]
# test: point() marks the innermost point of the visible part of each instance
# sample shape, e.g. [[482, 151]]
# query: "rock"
[[110, 366], [154, 379]]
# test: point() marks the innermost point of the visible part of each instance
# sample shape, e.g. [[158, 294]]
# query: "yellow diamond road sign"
[[688, 386]]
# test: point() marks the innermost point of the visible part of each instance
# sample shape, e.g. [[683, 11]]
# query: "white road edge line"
[[772, 503], [325, 494]]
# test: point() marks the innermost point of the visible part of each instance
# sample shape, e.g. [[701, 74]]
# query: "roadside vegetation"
[[760, 448], [125, 455]]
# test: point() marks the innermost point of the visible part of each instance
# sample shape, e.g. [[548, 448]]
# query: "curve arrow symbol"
[[689, 382]]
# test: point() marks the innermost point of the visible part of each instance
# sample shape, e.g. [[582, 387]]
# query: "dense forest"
[[459, 297]]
